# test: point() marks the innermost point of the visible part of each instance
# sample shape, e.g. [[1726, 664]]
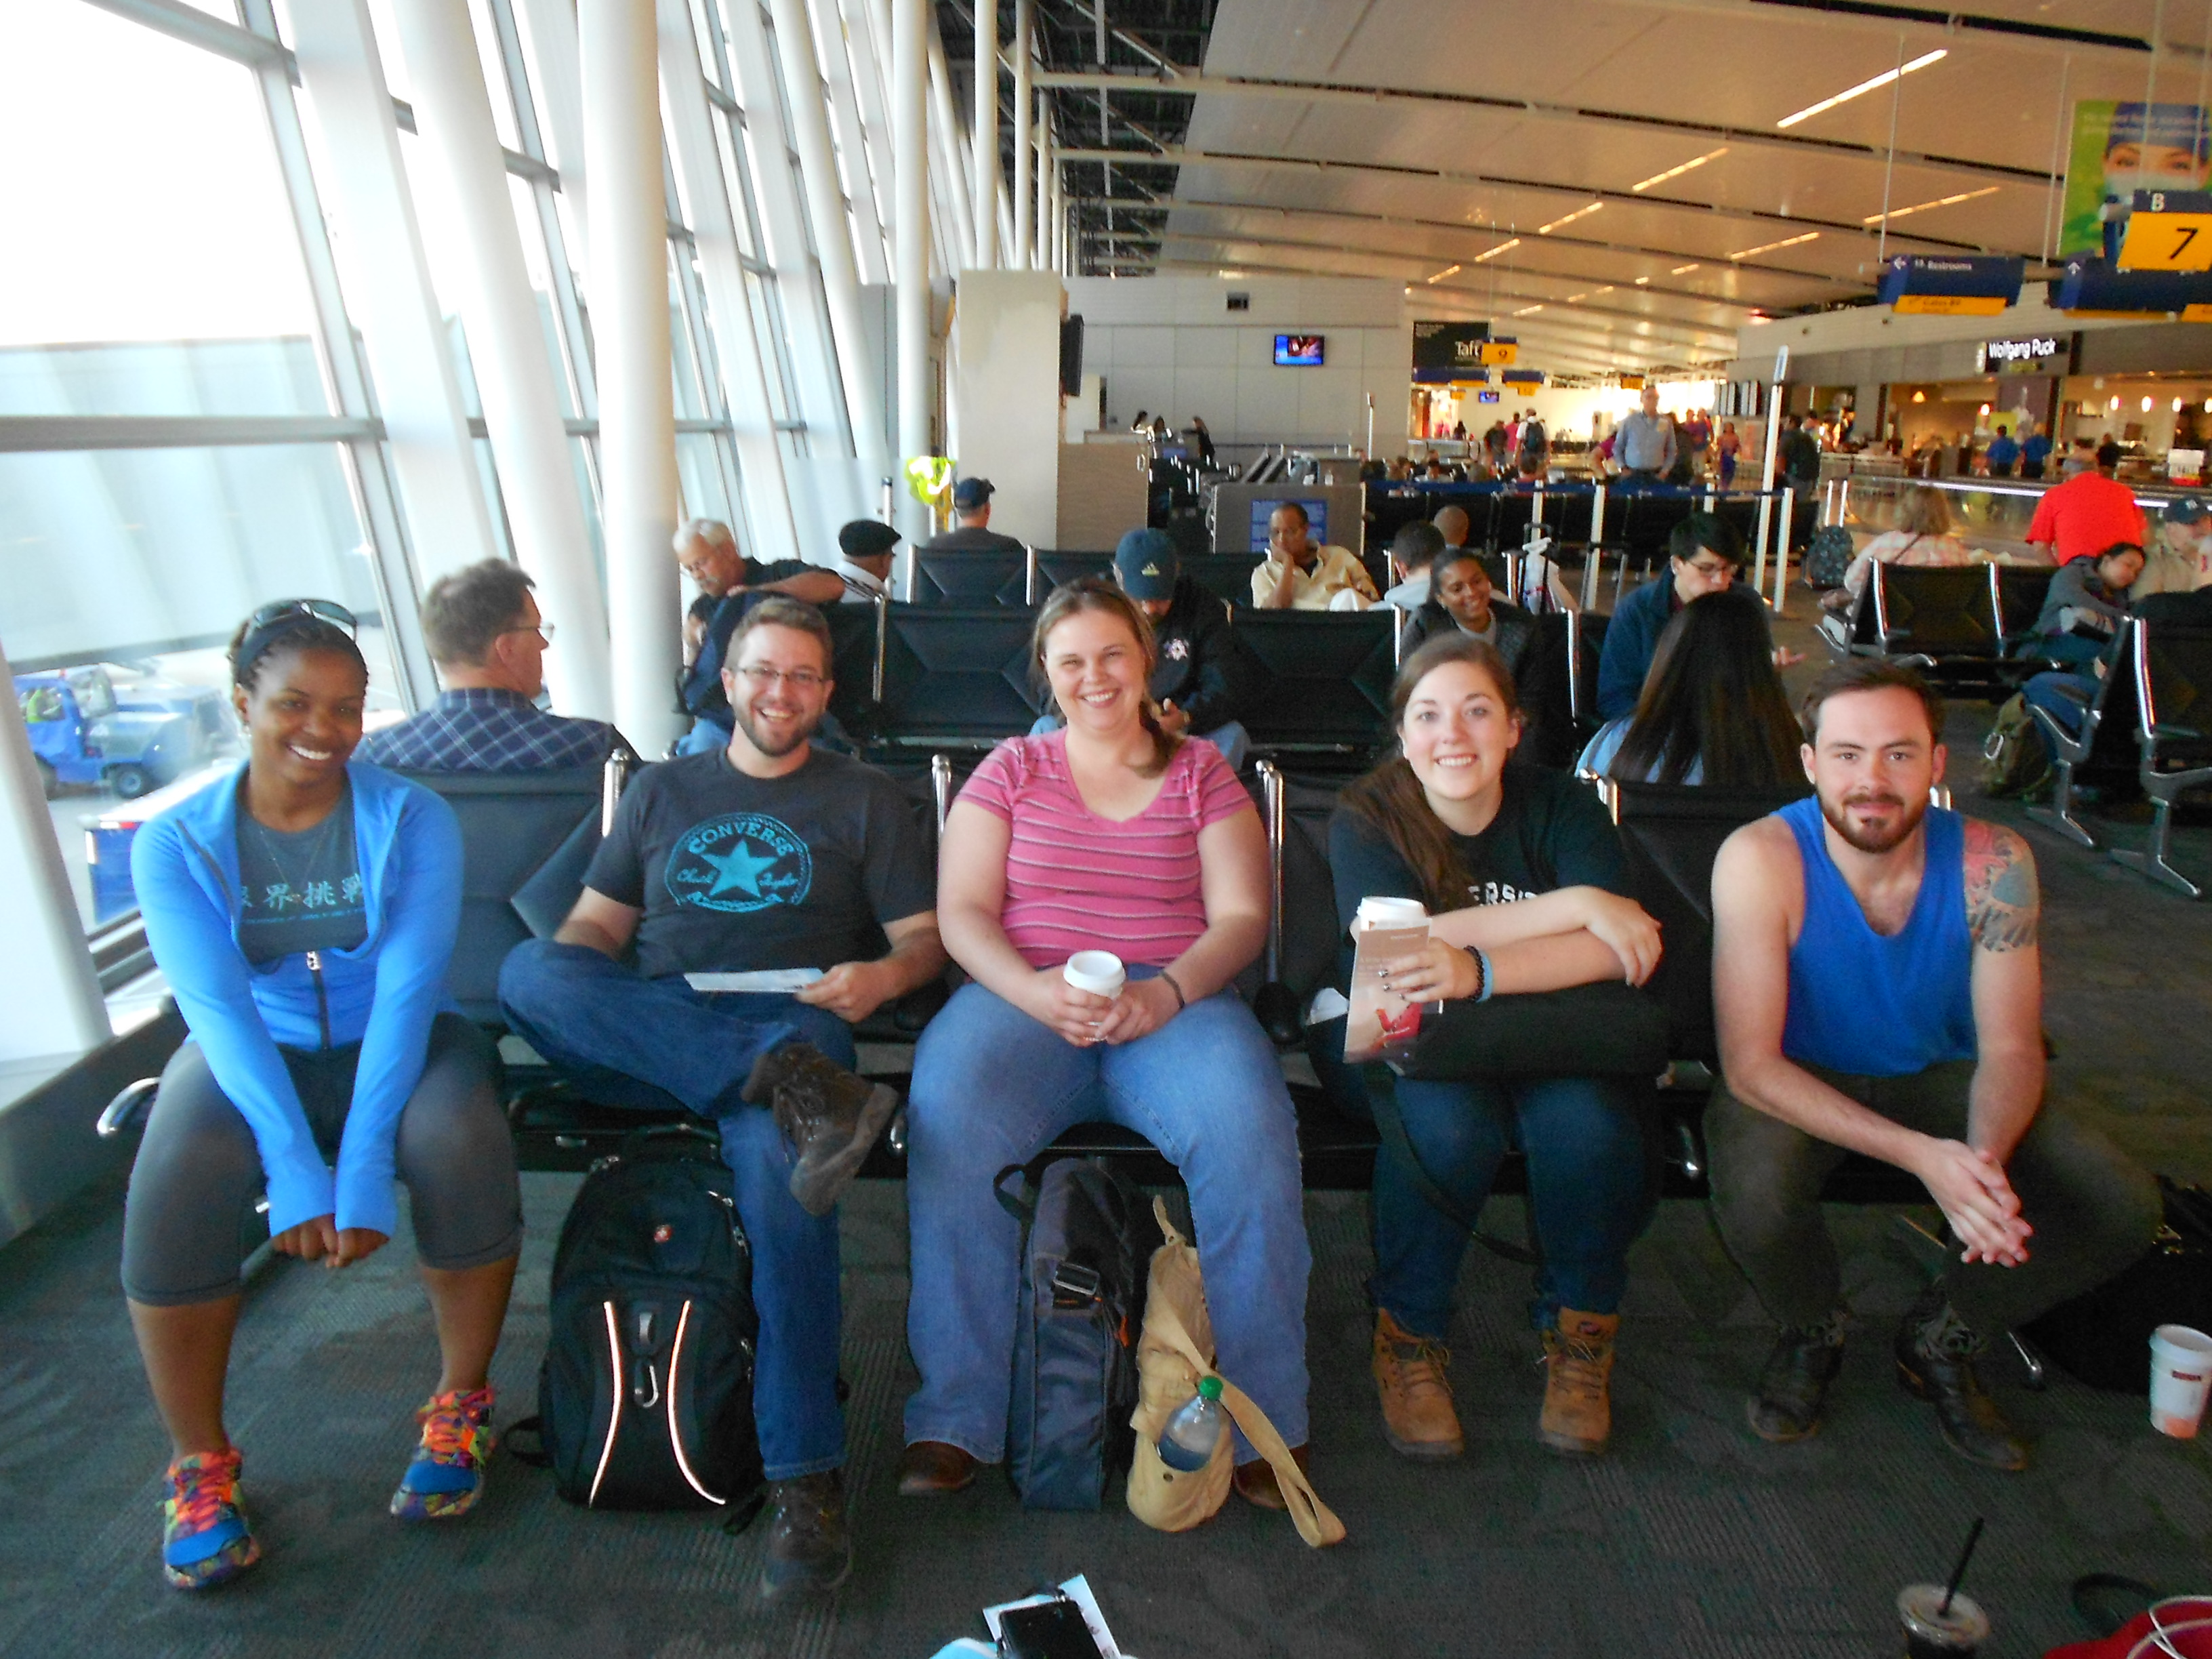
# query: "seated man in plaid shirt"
[[486, 636]]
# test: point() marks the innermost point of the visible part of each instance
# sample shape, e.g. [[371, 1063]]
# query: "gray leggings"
[[199, 1171]]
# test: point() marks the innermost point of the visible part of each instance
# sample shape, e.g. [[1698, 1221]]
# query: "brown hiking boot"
[[1255, 1481], [1578, 1371], [831, 1116], [1417, 1419]]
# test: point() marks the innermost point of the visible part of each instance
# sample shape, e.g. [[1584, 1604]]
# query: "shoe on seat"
[[446, 1477], [830, 1115], [1417, 1418], [1795, 1384], [1936, 1351], [932, 1469], [1255, 1481], [808, 1547], [1577, 1416], [205, 1539]]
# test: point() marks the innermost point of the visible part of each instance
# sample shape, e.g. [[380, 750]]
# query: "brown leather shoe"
[[1578, 1377], [1255, 1481], [930, 1468], [1417, 1418]]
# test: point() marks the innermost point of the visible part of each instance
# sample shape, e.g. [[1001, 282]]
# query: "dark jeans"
[[2065, 697], [656, 1043], [2093, 1211], [1593, 1179]]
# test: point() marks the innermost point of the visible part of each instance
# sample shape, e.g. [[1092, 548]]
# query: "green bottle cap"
[[1209, 1388]]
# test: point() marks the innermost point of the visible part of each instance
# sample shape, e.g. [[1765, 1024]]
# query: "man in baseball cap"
[[1198, 677], [2180, 558], [971, 517]]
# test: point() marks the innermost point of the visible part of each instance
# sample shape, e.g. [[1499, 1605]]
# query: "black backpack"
[[1087, 1237], [645, 1400]]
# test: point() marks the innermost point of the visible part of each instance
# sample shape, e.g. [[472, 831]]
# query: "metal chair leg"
[[2059, 815], [2151, 861]]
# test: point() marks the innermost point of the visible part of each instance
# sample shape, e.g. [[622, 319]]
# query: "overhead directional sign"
[[2092, 288], [1968, 285], [1499, 353], [2168, 230]]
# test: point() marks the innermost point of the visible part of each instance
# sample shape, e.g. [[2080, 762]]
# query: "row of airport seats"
[[1968, 627], [1023, 579]]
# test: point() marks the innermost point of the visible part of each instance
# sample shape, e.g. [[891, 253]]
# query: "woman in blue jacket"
[[304, 911]]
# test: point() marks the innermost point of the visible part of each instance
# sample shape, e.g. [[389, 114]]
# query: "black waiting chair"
[[1327, 678], [2171, 668], [955, 677], [2018, 592], [2102, 747], [970, 579], [1057, 569], [1225, 575], [1942, 618]]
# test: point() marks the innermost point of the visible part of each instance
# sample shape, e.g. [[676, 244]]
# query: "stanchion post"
[[1782, 546]]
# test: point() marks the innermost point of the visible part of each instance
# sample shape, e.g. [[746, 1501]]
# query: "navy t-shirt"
[[736, 873], [299, 889]]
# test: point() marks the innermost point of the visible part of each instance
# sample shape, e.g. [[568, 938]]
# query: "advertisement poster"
[[2119, 149]]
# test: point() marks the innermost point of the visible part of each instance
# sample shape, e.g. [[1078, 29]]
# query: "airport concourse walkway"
[[1690, 1538]]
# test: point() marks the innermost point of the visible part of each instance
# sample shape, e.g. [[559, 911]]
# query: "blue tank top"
[[1876, 1006]]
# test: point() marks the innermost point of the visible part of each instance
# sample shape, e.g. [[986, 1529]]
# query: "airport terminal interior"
[[1718, 365]]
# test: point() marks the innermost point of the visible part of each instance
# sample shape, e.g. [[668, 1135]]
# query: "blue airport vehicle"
[[84, 730], [108, 835]]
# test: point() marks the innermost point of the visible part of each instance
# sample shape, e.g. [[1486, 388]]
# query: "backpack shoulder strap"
[[1393, 1127]]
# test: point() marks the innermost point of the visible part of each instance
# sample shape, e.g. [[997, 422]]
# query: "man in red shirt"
[[2087, 514]]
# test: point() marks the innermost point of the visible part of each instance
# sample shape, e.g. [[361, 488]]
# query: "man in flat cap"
[[866, 545]]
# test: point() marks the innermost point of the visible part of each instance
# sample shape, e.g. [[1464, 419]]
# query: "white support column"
[[910, 89], [1021, 250], [514, 375], [954, 155], [549, 28], [833, 237], [629, 322], [53, 1006], [771, 535], [418, 390], [986, 112], [1047, 244], [844, 49], [1006, 217]]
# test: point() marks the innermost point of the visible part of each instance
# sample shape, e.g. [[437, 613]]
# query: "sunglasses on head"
[[329, 611]]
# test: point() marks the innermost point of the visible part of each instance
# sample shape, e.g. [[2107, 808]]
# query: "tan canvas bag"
[[1176, 1350]]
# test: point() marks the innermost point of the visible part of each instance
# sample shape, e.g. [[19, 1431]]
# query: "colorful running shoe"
[[205, 1540], [448, 1475]]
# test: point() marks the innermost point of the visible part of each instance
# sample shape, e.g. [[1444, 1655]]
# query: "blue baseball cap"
[[971, 492], [1146, 564]]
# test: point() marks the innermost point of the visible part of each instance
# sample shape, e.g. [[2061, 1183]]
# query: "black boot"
[[830, 1115], [808, 1547], [1935, 1362], [1795, 1384]]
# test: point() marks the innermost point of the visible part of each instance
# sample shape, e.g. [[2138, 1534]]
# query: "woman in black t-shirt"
[[1522, 874]]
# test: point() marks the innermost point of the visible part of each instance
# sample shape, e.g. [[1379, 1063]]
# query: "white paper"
[[1078, 1590], [1328, 1004], [763, 980]]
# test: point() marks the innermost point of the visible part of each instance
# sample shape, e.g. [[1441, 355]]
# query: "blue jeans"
[[2065, 697], [992, 1086], [1593, 1177], [656, 1043], [1231, 739]]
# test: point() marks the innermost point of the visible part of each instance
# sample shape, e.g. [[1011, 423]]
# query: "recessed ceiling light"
[[1641, 281], [1528, 311], [1681, 270], [1769, 247], [1510, 242], [1862, 89], [1579, 213], [1940, 201], [1676, 173], [1449, 271]]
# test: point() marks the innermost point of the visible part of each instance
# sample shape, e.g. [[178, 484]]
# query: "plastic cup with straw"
[[1939, 1622]]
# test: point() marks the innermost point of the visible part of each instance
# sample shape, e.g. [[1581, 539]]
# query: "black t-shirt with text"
[[736, 873]]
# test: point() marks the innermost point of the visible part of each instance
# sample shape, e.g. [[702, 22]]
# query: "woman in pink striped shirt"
[[1110, 834]]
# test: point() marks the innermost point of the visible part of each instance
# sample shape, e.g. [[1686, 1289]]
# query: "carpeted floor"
[[1690, 1538]]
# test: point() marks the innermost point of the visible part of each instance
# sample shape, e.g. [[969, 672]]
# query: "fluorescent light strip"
[[1528, 311], [1941, 201], [1579, 213], [1676, 173], [1862, 89], [1682, 271], [1769, 247], [1449, 271], [1642, 280], [1500, 248]]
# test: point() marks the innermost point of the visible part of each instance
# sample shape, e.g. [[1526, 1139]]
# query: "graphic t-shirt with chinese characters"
[[300, 888]]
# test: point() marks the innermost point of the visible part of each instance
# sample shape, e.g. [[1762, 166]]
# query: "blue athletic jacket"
[[382, 994]]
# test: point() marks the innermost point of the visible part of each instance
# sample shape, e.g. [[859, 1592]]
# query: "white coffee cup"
[[1392, 913], [1099, 972], [2180, 1376]]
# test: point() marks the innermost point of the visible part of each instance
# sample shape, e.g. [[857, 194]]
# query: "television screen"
[[1263, 508], [1298, 350]]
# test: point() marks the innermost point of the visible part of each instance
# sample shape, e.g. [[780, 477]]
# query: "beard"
[[800, 733], [1909, 815]]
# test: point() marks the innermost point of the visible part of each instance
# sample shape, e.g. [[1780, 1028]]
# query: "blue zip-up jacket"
[[382, 993]]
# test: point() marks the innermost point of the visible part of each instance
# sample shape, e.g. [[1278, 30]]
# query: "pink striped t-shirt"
[[1078, 882]]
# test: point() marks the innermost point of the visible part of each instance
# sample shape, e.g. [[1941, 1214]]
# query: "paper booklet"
[[761, 979], [1382, 1024]]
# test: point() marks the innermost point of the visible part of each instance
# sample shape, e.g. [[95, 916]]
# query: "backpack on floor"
[[1828, 556], [645, 1400], [1087, 1243], [2014, 758]]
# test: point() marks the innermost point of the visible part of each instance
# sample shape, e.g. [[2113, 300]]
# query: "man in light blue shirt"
[[1644, 444]]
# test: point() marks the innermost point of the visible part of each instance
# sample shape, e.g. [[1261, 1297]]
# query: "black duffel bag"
[[2102, 1337], [1606, 1030]]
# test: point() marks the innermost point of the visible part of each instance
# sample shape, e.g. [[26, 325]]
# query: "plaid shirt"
[[485, 729]]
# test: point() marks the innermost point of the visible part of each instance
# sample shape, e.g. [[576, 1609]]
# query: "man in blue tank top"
[[1879, 990]]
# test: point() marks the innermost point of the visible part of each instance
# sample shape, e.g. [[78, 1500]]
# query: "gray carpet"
[[1690, 1539]]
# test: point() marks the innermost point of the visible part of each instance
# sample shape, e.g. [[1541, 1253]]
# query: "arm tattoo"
[[2002, 900]]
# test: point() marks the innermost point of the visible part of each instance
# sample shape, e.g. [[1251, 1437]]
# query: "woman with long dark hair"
[[1522, 874], [1111, 834], [1713, 710], [304, 911]]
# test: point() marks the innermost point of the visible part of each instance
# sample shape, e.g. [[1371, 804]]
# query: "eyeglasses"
[[801, 680], [543, 629], [329, 611]]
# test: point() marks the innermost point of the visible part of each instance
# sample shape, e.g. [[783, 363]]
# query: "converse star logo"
[[741, 863]]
